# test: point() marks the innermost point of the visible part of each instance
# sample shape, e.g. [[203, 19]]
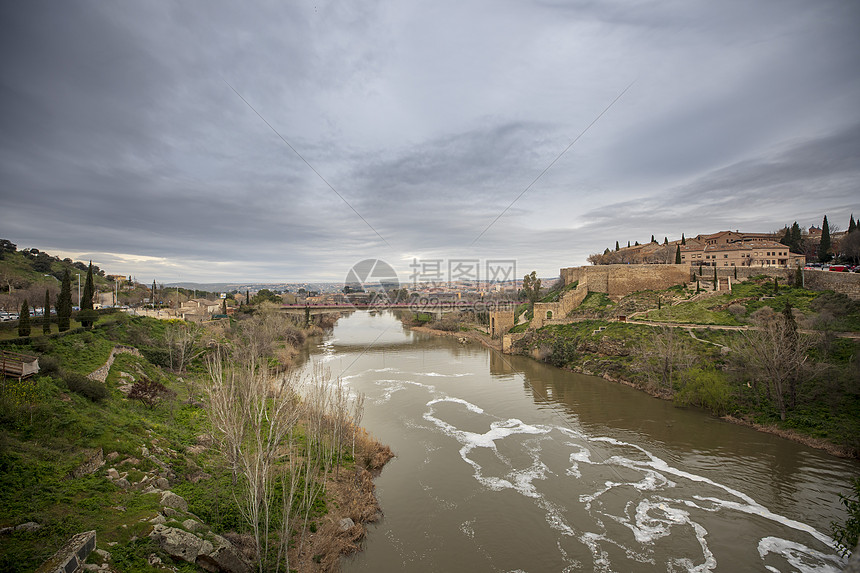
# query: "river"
[[506, 464]]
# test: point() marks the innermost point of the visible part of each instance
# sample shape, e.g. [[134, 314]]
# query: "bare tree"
[[776, 354], [661, 358]]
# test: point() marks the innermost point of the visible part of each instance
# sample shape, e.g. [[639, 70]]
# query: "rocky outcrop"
[[209, 551]]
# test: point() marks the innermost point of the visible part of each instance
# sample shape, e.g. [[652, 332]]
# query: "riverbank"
[[608, 353]]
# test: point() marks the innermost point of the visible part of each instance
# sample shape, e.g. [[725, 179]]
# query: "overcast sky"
[[419, 124]]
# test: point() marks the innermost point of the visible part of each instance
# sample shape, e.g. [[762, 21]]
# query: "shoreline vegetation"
[[185, 446], [714, 365]]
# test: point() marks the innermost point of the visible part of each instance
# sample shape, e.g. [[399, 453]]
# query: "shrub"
[[846, 534], [157, 356], [738, 311], [149, 392], [705, 387], [80, 384], [49, 365]]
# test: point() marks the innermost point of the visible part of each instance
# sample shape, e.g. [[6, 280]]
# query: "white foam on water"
[[800, 556], [468, 528], [440, 375]]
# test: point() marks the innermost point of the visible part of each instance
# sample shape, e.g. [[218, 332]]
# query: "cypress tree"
[[637, 243], [678, 255], [698, 290], [153, 293], [64, 303], [796, 239], [628, 244], [736, 273], [616, 246], [716, 281], [652, 239], [24, 320], [786, 238], [46, 317], [87, 298], [824, 245], [223, 306], [247, 297], [683, 240], [851, 224], [665, 240], [798, 277], [775, 285]]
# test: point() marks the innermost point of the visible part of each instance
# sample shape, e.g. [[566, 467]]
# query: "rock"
[[112, 473], [192, 525], [170, 499], [123, 483], [144, 451], [151, 489], [154, 559], [158, 519], [91, 567], [345, 524], [94, 460], [223, 557], [6, 530], [162, 483], [103, 554], [29, 526], [177, 543], [170, 512]]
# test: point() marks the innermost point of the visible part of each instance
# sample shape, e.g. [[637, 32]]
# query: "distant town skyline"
[[219, 142]]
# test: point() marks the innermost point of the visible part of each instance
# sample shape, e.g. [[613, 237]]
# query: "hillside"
[[140, 467]]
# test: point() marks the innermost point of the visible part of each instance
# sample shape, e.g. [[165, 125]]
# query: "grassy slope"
[[828, 405]]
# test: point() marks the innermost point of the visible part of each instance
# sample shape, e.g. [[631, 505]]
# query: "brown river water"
[[507, 464]]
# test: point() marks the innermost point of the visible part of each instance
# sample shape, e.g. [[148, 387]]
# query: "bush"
[[738, 311], [80, 384], [846, 534], [149, 392], [157, 356], [706, 388], [49, 365]]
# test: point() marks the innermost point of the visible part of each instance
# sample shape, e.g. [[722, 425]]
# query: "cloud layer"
[[122, 141]]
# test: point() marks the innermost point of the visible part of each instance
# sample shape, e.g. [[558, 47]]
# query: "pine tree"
[[851, 224], [87, 299], [683, 240], [24, 320], [824, 246], [616, 245], [678, 255], [46, 317], [786, 238], [64, 303]]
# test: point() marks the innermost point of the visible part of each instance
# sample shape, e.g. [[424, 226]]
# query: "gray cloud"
[[120, 140]]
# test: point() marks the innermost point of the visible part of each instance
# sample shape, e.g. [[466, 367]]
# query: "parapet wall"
[[620, 280]]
